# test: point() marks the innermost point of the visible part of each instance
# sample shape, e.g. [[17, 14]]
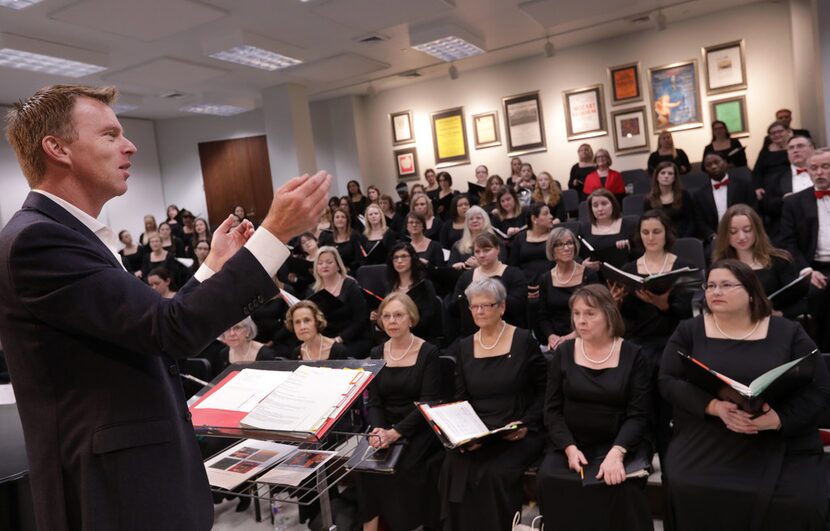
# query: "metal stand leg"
[[325, 501]]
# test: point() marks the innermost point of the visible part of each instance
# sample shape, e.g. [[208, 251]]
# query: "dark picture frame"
[[486, 130], [625, 83], [630, 127], [731, 111], [725, 67], [403, 128], [524, 124], [585, 112], [449, 137], [406, 163], [675, 97]]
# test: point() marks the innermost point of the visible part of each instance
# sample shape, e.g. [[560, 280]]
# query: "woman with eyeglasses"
[[429, 250], [597, 412], [727, 469], [501, 372], [667, 194], [443, 197], [604, 177], [307, 322], [486, 249], [408, 498], [741, 236], [527, 249], [556, 287], [773, 157], [241, 347], [453, 228], [432, 185], [422, 205]]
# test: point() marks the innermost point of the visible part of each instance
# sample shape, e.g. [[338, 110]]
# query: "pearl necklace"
[[662, 267], [405, 352], [603, 360], [727, 336], [319, 354], [491, 347], [556, 274]]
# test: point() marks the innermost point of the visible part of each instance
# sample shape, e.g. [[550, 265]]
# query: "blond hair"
[[48, 112], [341, 267]]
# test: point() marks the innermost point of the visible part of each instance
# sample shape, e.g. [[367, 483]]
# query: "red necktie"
[[718, 185], [799, 171], [822, 193]]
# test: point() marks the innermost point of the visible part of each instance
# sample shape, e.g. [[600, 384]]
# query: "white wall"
[[144, 195], [764, 26]]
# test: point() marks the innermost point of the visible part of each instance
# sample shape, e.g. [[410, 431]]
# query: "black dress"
[[222, 360], [482, 490], [409, 497], [595, 409], [434, 254], [576, 181], [351, 320], [270, 321], [681, 161], [530, 257], [768, 164], [349, 250], [336, 352], [682, 218], [780, 273], [441, 205], [147, 264], [176, 247], [132, 262], [434, 232], [509, 223], [450, 235], [554, 312], [722, 480], [736, 158], [603, 241], [516, 305], [387, 240]]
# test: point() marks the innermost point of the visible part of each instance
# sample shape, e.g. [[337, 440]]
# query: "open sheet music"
[[457, 423]]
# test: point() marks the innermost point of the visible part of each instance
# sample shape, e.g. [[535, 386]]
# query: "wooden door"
[[236, 172]]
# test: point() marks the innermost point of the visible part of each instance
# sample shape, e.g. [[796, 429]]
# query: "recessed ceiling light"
[[47, 57], [121, 108], [18, 4], [448, 42], [247, 49], [214, 109]]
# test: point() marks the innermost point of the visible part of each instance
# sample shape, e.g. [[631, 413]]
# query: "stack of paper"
[[242, 461]]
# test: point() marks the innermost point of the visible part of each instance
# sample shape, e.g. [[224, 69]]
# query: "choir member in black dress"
[[402, 206], [170, 242], [431, 187], [348, 324], [579, 171], [476, 221], [357, 201], [200, 253], [407, 499], [307, 323], [606, 227], [510, 217], [173, 220], [527, 182], [201, 232], [666, 152], [667, 194], [241, 347], [515, 172], [429, 251], [308, 248], [443, 197], [741, 236], [344, 238], [501, 372], [269, 319], [527, 249], [771, 158], [156, 257], [453, 228], [162, 282], [722, 143], [486, 250], [150, 227], [488, 200], [557, 286], [422, 205], [373, 194], [394, 220], [547, 191], [482, 174], [376, 233], [131, 254], [726, 469], [596, 412], [405, 271], [187, 232]]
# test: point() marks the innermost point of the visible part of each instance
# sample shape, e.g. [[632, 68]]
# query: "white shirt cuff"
[[268, 250], [203, 273]]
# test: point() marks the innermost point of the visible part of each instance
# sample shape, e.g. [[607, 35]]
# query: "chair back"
[[447, 368], [694, 180], [570, 200], [583, 211], [373, 278], [633, 205], [690, 249]]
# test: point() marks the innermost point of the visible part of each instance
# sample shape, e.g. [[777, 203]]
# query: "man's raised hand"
[[298, 205]]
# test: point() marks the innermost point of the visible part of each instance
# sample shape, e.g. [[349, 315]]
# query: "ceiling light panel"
[[214, 109], [18, 4], [49, 58], [448, 42], [247, 49], [255, 57], [449, 49]]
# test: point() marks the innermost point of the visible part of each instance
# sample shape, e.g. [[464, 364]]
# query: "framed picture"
[[486, 130], [732, 112], [675, 97], [523, 123], [406, 162], [584, 112], [625, 83], [403, 131], [725, 67], [630, 131], [449, 138]]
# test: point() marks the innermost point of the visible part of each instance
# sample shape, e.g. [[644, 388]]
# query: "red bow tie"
[[799, 171], [822, 193], [720, 184]]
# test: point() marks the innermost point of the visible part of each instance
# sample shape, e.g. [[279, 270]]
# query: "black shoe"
[[244, 503]]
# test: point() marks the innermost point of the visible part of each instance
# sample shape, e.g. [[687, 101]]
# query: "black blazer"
[[799, 226], [92, 352], [739, 190]]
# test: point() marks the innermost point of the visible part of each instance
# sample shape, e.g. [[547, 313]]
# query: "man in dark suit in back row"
[[91, 349]]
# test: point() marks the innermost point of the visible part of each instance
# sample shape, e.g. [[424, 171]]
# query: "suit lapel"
[[44, 205]]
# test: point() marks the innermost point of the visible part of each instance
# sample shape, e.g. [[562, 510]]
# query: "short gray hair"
[[251, 326], [487, 286], [556, 235]]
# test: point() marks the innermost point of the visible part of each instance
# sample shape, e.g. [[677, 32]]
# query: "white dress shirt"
[[823, 238], [266, 248], [720, 196], [800, 181]]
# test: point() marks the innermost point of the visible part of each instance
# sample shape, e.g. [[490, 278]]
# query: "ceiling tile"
[[336, 68], [374, 15], [145, 20], [165, 73]]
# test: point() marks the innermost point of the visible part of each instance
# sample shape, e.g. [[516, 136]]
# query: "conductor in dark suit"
[[805, 233], [723, 191], [91, 349]]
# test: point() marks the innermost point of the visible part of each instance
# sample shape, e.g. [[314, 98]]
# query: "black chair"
[[373, 278], [583, 211], [570, 200], [694, 180], [823, 420], [638, 179], [740, 170], [690, 249], [696, 167], [447, 364], [198, 368], [573, 226], [633, 205]]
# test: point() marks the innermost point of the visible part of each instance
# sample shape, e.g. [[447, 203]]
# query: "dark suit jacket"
[[92, 351], [739, 190], [776, 185], [799, 227]]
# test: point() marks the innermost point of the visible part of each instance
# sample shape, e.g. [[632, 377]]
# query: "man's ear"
[[55, 149]]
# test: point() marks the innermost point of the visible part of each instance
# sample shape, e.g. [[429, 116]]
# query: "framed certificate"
[[524, 124], [449, 137], [403, 132], [725, 67], [486, 130], [584, 112]]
